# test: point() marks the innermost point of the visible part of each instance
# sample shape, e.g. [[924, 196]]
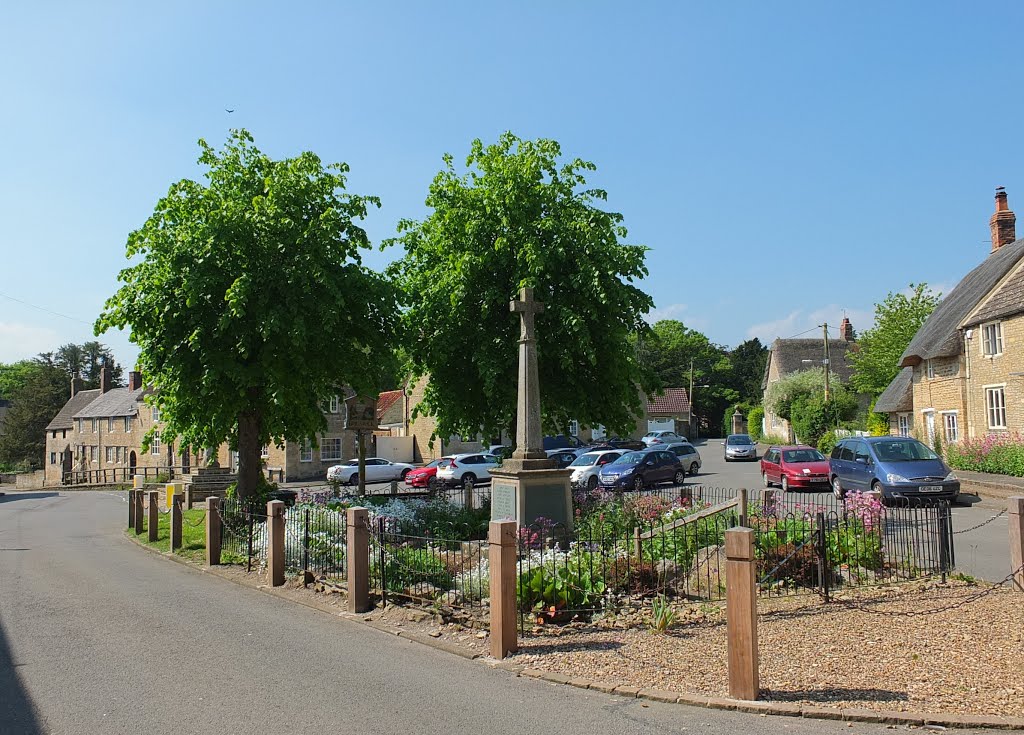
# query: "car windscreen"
[[586, 460], [743, 440], [903, 451], [803, 455], [435, 463], [632, 458]]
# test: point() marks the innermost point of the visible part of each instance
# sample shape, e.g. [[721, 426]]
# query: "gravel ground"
[[968, 660]]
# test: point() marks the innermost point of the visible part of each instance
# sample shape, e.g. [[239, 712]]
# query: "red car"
[[797, 467], [425, 476]]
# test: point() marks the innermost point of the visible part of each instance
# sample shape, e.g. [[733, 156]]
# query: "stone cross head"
[[527, 307]]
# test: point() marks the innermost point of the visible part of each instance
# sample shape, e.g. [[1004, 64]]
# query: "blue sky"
[[783, 161]]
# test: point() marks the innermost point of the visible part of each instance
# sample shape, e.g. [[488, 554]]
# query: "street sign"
[[360, 413]]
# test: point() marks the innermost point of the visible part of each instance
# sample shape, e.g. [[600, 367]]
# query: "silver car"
[[740, 446], [586, 467], [688, 455]]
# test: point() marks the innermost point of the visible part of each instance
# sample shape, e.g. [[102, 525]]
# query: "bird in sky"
[[227, 110]]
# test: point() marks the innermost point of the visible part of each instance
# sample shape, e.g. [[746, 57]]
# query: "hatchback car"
[[688, 456], [563, 457], [467, 469], [425, 476], [655, 438], [797, 467], [637, 470], [378, 469], [587, 466], [894, 466], [740, 446]]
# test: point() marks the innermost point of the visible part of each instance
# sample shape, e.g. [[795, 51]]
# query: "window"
[[992, 339], [127, 424], [306, 451], [950, 430], [903, 424], [54, 434], [118, 454], [110, 424], [109, 454], [53, 458], [64, 434], [92, 454], [156, 414], [154, 446], [995, 407], [78, 423], [574, 428], [265, 451], [930, 366], [330, 448], [335, 406], [94, 425]]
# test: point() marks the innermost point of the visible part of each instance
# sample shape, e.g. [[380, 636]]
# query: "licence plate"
[[932, 488]]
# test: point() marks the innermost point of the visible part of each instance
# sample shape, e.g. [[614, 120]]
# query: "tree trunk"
[[249, 445]]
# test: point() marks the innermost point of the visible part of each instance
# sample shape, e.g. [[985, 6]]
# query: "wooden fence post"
[[1017, 540], [741, 613], [358, 551], [139, 515], [275, 542], [131, 509], [744, 501], [176, 502], [212, 531], [503, 544], [154, 514]]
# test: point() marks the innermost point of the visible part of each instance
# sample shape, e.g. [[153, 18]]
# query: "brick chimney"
[[846, 330], [1003, 223], [106, 377], [134, 380], [76, 384]]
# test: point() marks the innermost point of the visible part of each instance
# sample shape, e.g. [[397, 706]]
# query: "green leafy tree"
[[783, 393], [813, 416], [85, 360], [250, 303], [520, 217], [13, 375], [40, 395], [897, 319], [749, 360]]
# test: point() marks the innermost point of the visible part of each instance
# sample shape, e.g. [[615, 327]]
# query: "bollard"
[[212, 531], [358, 550], [140, 517], [154, 514], [394, 487], [741, 613], [1016, 512], [176, 502], [501, 553], [275, 542], [467, 495], [131, 509], [138, 482]]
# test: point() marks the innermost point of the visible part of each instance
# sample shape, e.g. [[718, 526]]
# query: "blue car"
[[637, 470], [894, 466]]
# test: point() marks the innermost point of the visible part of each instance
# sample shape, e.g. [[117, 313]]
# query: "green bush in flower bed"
[[405, 567], [998, 454], [553, 583]]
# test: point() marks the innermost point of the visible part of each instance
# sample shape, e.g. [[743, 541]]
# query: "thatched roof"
[[794, 355], [899, 395], [938, 336]]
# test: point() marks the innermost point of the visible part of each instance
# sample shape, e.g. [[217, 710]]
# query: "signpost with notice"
[[361, 417]]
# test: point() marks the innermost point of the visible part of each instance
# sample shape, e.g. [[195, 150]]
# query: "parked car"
[[467, 470], [561, 442], [425, 476], [378, 469], [688, 456], [637, 470], [617, 442], [796, 467], [586, 467], [501, 450], [563, 457], [740, 446], [894, 466], [653, 438]]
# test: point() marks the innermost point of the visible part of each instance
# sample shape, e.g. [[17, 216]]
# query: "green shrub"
[[827, 442], [405, 567], [998, 454], [812, 415], [754, 420], [560, 584]]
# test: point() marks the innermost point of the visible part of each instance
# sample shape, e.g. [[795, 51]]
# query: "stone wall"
[[944, 392], [995, 371]]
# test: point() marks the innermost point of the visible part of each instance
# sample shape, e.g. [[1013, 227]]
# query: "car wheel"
[[404, 473], [354, 479], [837, 488], [694, 468], [765, 480], [432, 484], [468, 481], [680, 477], [638, 483], [592, 483], [785, 484]]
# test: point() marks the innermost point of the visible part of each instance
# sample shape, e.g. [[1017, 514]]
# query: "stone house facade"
[[966, 361]]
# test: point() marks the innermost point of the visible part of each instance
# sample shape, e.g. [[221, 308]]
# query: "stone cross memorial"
[[528, 485]]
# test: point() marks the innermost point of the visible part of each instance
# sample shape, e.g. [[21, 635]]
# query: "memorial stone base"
[[524, 495]]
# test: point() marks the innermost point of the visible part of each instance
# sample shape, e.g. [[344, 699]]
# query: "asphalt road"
[[100, 636], [982, 553]]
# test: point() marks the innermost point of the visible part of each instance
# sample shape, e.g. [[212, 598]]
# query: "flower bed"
[[997, 454]]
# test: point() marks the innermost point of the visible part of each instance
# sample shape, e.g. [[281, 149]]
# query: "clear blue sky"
[[783, 161]]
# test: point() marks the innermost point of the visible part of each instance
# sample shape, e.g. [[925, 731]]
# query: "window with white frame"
[[903, 424], [94, 425], [53, 458], [950, 427], [574, 428], [995, 406], [265, 451], [156, 414], [92, 453], [330, 447], [78, 423], [306, 451], [119, 454], [110, 424], [108, 454], [335, 406], [930, 367], [127, 424], [154, 446], [992, 339]]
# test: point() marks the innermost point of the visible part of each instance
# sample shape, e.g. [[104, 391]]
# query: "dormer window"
[[992, 339], [335, 405], [930, 368]]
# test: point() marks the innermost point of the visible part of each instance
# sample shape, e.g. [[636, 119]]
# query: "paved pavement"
[[983, 553], [100, 636]]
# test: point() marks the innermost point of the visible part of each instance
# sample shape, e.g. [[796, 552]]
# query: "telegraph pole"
[[691, 428], [827, 362]]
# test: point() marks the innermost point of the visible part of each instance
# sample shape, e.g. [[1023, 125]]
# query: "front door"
[[929, 426], [132, 460]]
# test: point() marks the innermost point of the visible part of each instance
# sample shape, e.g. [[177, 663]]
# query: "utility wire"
[[48, 311]]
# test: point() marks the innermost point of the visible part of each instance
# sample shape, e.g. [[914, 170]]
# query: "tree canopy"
[[250, 303], [13, 375], [897, 319], [40, 393], [521, 216], [86, 361]]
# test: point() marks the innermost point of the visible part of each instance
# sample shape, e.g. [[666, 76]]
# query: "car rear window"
[[802, 455]]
